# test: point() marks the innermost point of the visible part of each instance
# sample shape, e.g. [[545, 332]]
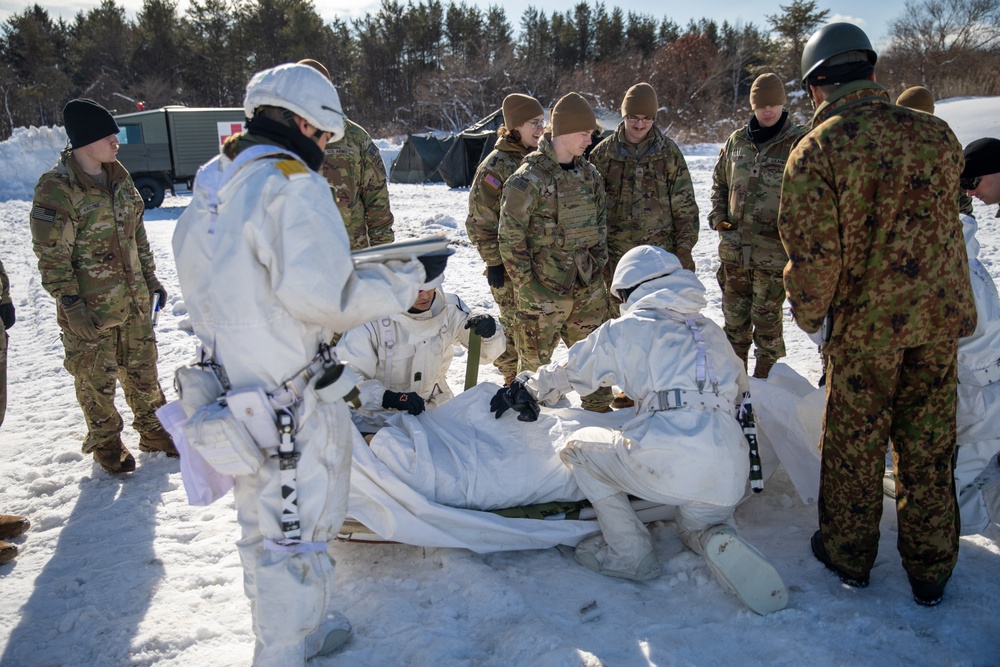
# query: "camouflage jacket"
[[868, 217], [552, 223], [746, 188], [91, 241], [650, 198], [483, 223], [354, 168], [4, 286]]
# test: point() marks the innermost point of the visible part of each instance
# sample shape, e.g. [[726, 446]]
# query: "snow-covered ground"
[[122, 571]]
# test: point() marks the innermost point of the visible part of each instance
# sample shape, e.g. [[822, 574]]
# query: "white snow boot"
[[331, 634], [625, 548], [742, 569]]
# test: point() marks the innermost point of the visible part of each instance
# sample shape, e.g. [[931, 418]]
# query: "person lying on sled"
[[685, 446], [403, 359]]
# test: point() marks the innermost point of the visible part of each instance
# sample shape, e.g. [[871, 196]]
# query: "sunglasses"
[[970, 183]]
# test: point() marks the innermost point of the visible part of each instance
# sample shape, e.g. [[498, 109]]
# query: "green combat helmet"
[[835, 39]]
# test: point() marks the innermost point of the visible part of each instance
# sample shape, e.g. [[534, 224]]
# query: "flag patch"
[[43, 214], [492, 181]]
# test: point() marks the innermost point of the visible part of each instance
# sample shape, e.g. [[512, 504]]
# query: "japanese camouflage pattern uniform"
[[746, 188], [553, 241], [869, 218], [650, 196], [4, 339], [354, 168], [91, 242], [483, 226]]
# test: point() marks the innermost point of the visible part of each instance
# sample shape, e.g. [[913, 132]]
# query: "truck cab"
[[162, 147]]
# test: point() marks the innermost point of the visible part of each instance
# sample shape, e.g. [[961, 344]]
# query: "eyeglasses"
[[635, 120], [537, 124], [970, 183]]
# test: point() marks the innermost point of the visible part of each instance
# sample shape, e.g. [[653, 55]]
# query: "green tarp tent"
[[419, 158]]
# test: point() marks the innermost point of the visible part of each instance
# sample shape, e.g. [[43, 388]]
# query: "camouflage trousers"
[[752, 302], [544, 318], [4, 341], [908, 396], [506, 363], [126, 353]]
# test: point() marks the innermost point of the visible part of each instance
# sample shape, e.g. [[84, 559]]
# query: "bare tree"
[[946, 46]]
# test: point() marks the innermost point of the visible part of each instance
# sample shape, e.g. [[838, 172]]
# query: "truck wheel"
[[151, 191]]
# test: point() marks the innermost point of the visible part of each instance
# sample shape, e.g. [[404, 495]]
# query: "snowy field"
[[121, 571]]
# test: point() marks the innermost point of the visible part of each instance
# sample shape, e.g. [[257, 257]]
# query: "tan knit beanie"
[[767, 91], [917, 98], [572, 114], [519, 109], [316, 65], [640, 100]]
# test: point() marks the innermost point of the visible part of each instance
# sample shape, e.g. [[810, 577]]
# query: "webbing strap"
[[389, 341], [288, 461], [293, 546], [704, 362]]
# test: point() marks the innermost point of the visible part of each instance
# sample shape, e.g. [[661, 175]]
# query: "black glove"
[[517, 397], [7, 315], [434, 263], [484, 325], [409, 401], [495, 275]]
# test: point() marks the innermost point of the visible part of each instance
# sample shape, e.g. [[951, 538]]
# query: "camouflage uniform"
[[354, 168], [91, 242], [868, 218], [553, 242], [483, 226], [4, 338], [746, 187], [650, 195]]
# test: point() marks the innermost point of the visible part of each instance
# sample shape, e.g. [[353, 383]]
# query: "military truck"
[[163, 147]]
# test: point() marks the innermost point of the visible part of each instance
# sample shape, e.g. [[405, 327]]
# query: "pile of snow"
[[26, 155]]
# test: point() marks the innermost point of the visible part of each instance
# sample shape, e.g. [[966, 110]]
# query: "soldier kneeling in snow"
[[684, 447], [403, 359]]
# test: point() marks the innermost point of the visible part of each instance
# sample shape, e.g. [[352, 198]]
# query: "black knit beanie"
[[87, 121]]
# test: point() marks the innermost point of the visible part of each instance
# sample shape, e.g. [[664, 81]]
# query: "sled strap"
[[389, 341]]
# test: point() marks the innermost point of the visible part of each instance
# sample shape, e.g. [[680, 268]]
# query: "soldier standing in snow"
[[649, 190], [8, 316], [87, 231], [553, 241], [868, 218], [685, 447], [264, 263], [354, 169], [647, 182], [10, 525], [981, 176], [523, 122], [746, 186]]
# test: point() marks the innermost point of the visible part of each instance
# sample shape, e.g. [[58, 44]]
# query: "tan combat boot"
[[157, 441], [12, 526], [115, 458], [7, 552], [762, 368]]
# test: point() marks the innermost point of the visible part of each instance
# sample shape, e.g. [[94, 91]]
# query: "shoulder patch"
[[492, 181], [291, 167], [43, 214], [374, 152], [519, 182]]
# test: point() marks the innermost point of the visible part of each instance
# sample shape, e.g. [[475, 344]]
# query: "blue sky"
[[872, 16]]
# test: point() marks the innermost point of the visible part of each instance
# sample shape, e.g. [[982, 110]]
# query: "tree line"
[[427, 65]]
